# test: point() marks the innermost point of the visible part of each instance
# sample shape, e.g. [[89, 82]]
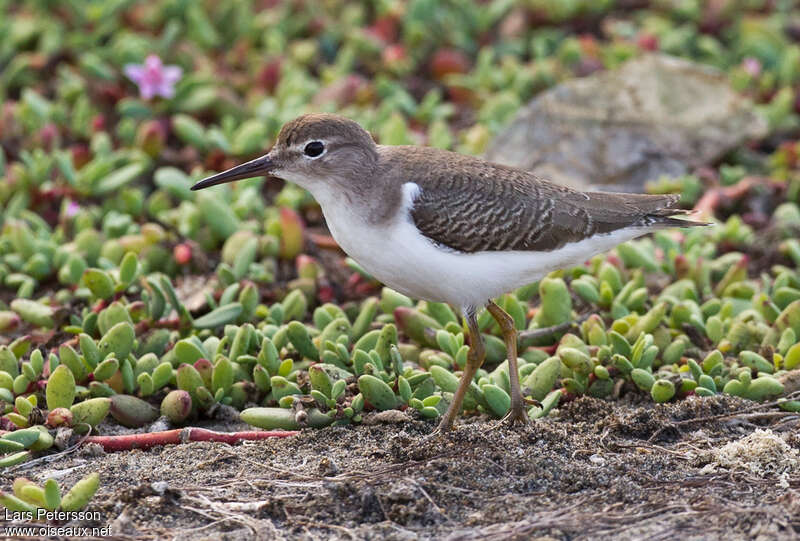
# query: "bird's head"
[[312, 150]]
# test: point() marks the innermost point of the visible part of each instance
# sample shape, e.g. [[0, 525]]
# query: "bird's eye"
[[314, 149]]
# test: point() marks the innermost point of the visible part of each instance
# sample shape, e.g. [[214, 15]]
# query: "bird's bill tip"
[[254, 168]]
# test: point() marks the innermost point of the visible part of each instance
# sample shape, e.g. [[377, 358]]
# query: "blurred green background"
[[445, 73]]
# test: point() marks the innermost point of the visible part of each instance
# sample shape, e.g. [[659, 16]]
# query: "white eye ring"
[[314, 149]]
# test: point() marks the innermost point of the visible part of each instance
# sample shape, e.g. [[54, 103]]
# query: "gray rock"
[[655, 115]]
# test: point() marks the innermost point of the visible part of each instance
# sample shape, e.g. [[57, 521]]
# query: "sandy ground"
[[595, 469]]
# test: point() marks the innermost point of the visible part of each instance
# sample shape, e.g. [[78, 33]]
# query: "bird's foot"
[[445, 427], [517, 415]]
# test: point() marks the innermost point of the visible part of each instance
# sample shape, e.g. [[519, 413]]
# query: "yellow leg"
[[517, 412], [477, 354]]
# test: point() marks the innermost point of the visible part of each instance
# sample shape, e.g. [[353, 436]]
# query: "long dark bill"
[[254, 168]]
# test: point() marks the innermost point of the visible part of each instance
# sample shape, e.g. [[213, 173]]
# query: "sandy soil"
[[595, 469]]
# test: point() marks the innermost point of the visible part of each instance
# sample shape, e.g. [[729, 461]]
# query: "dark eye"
[[314, 149]]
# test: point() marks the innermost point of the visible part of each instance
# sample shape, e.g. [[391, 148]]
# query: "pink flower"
[[72, 209], [153, 77], [752, 66]]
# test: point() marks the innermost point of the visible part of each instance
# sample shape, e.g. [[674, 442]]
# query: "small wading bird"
[[440, 226]]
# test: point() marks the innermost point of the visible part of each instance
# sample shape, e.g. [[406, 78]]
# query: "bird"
[[445, 227]]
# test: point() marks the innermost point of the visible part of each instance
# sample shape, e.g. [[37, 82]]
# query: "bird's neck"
[[372, 195], [372, 204]]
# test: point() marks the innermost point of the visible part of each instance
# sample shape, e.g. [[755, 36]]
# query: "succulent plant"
[[29, 497], [100, 235]]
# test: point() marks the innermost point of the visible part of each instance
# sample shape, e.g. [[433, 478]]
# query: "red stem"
[[182, 435], [323, 241], [146, 325], [707, 204]]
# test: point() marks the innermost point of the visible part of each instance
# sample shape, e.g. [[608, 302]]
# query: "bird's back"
[[471, 205]]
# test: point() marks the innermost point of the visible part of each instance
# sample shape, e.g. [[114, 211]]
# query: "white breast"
[[405, 260]]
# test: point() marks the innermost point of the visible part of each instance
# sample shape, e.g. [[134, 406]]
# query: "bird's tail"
[[663, 215], [640, 210]]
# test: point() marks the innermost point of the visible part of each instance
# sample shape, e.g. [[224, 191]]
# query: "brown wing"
[[471, 206]]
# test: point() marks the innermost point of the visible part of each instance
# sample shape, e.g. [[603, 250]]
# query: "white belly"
[[403, 259]]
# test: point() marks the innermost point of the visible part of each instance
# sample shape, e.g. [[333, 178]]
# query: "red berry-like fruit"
[[182, 254], [48, 135], [80, 155], [59, 417], [394, 54], [384, 28], [447, 61], [98, 123], [270, 75]]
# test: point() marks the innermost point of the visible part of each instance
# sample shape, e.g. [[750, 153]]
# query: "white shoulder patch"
[[411, 191]]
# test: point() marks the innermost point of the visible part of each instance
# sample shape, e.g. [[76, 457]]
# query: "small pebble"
[[63, 435], [327, 467], [91, 450], [159, 487], [597, 460]]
